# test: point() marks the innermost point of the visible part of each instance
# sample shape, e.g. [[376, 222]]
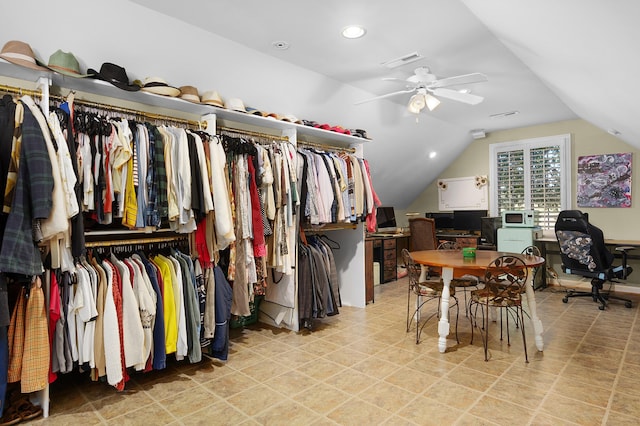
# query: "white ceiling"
[[551, 60]]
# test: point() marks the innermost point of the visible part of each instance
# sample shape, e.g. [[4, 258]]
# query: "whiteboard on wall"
[[464, 193]]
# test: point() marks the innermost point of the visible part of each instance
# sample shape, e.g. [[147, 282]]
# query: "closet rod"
[[325, 147], [110, 243], [149, 115], [250, 133], [19, 91]]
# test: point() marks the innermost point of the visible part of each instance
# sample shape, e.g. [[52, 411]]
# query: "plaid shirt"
[[152, 217], [161, 176], [33, 200]]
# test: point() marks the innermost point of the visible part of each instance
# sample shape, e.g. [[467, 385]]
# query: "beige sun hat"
[[189, 93], [20, 53], [212, 98], [160, 87], [235, 104]]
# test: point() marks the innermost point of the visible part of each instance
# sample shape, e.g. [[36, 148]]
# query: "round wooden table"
[[452, 263]]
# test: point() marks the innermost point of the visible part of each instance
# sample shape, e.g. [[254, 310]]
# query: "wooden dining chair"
[[504, 286], [424, 293]]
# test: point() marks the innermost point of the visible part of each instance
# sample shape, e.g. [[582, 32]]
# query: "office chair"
[[504, 282], [425, 292], [423, 237], [584, 253]]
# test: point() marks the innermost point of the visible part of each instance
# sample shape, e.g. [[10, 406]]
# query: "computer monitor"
[[468, 220], [443, 220], [489, 231], [386, 219]]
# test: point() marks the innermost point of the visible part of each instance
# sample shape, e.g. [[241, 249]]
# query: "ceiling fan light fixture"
[[353, 31], [431, 101], [417, 103]]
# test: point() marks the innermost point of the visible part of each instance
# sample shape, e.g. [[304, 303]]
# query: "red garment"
[[117, 297], [371, 218], [259, 248], [201, 243], [54, 316]]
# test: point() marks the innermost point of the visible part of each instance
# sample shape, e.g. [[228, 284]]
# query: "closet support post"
[[43, 85]]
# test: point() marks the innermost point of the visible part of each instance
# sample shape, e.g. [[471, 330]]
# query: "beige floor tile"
[[116, 405], [501, 411], [345, 356], [255, 400], [426, 411], [351, 381], [230, 384], [590, 394], [185, 403], [471, 378], [357, 412], [287, 413], [291, 383], [626, 404], [617, 419], [166, 387], [572, 410], [322, 398], [153, 414], [387, 396], [375, 367], [321, 368], [411, 380], [544, 419], [452, 394], [220, 413]]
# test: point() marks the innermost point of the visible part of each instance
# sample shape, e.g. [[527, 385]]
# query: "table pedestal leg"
[[443, 324], [535, 321], [423, 273]]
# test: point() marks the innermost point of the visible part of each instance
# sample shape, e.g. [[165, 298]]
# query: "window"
[[531, 174]]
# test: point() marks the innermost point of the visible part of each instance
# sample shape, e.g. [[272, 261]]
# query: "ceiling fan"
[[427, 86]]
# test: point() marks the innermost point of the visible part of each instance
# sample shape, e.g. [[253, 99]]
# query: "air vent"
[[504, 114], [403, 60]]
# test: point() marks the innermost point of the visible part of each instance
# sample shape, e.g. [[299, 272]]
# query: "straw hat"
[[189, 93], [212, 98], [20, 53], [159, 87]]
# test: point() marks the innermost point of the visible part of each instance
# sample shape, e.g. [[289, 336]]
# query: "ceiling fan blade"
[[466, 98], [388, 95], [396, 79], [475, 77]]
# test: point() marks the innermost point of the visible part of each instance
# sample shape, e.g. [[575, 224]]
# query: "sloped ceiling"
[[549, 60]]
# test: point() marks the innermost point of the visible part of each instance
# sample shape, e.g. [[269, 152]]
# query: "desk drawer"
[[389, 254], [390, 243], [377, 243]]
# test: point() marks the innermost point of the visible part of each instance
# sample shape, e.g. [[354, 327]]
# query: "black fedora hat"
[[115, 75]]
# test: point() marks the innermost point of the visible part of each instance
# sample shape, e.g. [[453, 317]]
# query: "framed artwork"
[[604, 180]]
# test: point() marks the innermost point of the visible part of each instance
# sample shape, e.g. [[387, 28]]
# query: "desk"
[[463, 239], [452, 260], [384, 249], [544, 242]]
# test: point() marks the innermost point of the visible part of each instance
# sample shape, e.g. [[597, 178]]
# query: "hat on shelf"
[[20, 53], [359, 133], [189, 93], [235, 104], [273, 116], [115, 75], [65, 63], [255, 111], [212, 98], [324, 126], [291, 118], [159, 86], [339, 129], [310, 123]]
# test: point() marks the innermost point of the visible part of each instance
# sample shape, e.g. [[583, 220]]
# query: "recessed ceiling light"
[[432, 154], [353, 31], [280, 45]]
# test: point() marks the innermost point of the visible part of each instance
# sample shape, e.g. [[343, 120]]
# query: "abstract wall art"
[[604, 180]]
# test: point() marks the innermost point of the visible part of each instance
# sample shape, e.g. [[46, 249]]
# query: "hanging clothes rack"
[[134, 241], [202, 125], [242, 132], [19, 91], [325, 147]]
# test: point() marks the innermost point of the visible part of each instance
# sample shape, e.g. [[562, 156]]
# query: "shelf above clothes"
[[98, 88]]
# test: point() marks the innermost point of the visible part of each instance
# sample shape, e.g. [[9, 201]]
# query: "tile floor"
[[362, 368]]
